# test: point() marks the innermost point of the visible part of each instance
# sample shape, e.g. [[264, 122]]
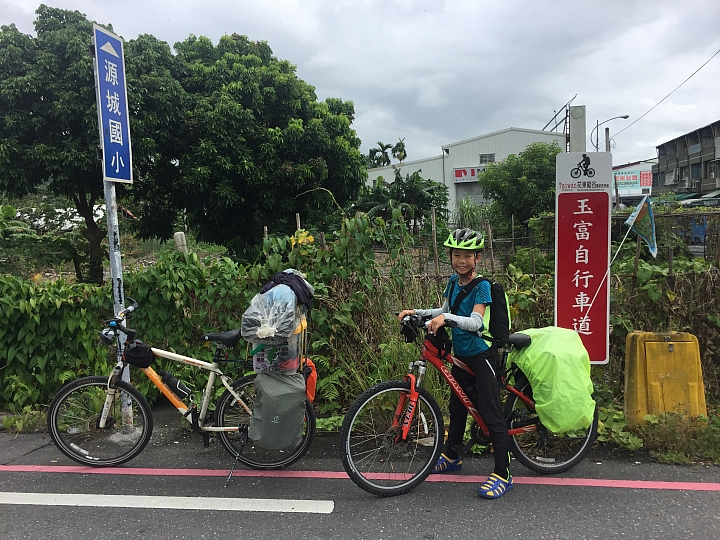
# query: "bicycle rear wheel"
[[228, 413], [373, 456], [74, 415], [542, 450]]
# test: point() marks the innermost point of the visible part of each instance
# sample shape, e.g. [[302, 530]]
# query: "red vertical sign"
[[582, 249]]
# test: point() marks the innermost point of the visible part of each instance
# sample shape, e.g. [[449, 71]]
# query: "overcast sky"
[[434, 72]]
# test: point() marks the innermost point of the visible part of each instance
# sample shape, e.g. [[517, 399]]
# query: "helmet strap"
[[466, 277]]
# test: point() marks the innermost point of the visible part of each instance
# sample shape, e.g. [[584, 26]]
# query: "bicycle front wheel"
[[373, 453], [73, 420], [229, 413], [542, 450]]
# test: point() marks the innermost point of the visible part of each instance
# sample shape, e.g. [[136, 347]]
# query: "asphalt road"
[[612, 494]]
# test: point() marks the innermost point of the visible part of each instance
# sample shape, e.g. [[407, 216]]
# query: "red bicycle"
[[393, 433]]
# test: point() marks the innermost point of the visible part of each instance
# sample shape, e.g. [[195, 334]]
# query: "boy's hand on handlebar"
[[434, 324], [405, 313]]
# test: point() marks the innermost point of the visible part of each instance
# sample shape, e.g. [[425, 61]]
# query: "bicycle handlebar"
[[128, 310]]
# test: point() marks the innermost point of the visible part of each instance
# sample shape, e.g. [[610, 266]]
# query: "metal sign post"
[[582, 248], [112, 106]]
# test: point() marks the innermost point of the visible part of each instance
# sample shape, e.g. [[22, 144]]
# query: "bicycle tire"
[[229, 413], [371, 456], [73, 416], [590, 173], [576, 172], [543, 451]]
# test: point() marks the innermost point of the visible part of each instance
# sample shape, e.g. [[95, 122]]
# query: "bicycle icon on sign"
[[583, 168]]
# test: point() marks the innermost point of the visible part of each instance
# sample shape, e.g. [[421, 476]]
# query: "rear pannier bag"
[[138, 354], [278, 410]]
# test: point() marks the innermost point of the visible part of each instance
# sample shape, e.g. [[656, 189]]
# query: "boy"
[[473, 351]]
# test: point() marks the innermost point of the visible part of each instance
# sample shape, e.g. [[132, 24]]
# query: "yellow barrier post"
[[663, 375]]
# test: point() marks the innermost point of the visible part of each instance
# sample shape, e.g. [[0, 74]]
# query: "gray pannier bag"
[[278, 410]]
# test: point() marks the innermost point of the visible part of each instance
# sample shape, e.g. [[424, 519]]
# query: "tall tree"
[[48, 119], [412, 194], [224, 135], [255, 144], [419, 195], [383, 153], [398, 151], [522, 185]]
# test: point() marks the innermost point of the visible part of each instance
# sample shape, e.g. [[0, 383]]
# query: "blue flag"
[[642, 222]]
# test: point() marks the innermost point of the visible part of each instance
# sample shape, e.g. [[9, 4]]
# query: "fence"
[[679, 235]]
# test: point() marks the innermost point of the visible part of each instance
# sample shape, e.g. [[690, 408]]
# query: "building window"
[[487, 158]]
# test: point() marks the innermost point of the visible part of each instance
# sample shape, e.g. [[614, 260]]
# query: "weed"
[[611, 428], [330, 425], [25, 421], [673, 438]]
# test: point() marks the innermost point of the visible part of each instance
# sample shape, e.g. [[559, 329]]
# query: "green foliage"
[[27, 420], [44, 233], [380, 156], [47, 330], [225, 136], [533, 261], [411, 197], [253, 146], [522, 185], [329, 424], [48, 117], [611, 428], [673, 438], [469, 215]]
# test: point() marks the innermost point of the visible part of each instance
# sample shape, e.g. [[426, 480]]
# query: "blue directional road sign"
[[112, 106]]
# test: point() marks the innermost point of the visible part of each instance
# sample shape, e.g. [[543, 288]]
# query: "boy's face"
[[464, 260]]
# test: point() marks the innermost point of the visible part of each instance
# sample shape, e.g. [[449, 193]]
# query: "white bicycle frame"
[[214, 370]]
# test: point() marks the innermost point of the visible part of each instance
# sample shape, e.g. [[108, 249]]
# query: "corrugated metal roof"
[[495, 133], [715, 193], [683, 196]]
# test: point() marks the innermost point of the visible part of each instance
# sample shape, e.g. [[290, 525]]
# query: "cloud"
[[434, 72]]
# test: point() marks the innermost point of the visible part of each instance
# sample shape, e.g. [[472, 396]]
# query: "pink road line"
[[336, 475]]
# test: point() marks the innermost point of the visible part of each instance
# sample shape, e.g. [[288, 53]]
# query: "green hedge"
[[48, 330]]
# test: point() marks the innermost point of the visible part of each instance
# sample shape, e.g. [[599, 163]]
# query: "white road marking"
[[179, 503]]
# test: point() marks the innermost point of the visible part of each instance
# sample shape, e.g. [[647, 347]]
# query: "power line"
[[671, 93]]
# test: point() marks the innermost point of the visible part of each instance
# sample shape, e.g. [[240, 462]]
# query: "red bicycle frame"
[[431, 354]]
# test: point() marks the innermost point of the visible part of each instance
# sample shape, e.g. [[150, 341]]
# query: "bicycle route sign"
[[112, 105], [583, 197]]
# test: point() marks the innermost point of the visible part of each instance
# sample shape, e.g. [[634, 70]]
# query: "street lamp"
[[597, 130]]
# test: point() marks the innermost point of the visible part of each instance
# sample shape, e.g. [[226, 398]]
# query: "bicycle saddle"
[[519, 340], [229, 338]]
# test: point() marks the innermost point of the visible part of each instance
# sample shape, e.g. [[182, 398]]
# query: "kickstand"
[[243, 431]]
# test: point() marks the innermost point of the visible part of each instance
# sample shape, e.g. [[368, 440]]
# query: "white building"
[[459, 163]]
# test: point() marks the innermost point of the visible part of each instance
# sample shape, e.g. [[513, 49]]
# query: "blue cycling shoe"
[[495, 487], [446, 464]]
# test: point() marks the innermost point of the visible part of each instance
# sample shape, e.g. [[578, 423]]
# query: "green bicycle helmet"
[[465, 239]]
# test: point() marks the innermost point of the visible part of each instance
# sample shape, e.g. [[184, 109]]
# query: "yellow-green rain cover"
[[558, 367]]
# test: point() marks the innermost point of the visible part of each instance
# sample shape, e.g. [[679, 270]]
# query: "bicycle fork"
[[405, 409], [110, 398]]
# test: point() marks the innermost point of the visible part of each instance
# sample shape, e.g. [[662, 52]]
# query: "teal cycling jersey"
[[467, 343]]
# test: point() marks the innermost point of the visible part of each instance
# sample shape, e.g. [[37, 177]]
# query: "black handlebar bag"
[[138, 354]]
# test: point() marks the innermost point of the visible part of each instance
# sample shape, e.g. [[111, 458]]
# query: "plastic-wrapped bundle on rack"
[[272, 316]]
